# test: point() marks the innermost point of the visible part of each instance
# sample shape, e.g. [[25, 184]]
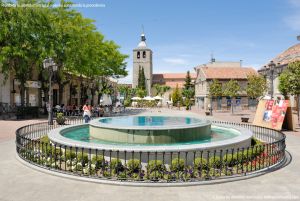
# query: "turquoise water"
[[218, 134], [129, 121]]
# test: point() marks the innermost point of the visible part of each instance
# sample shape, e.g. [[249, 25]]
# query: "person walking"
[[86, 113]]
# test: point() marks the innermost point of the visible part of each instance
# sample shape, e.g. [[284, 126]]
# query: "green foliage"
[[28, 36], [45, 139], [124, 91], [215, 89], [188, 93], [189, 90], [155, 166], [141, 92], [60, 119], [232, 88], [188, 85], [127, 102], [176, 96], [83, 158], [200, 163], [155, 175], [116, 165], [98, 161], [255, 141], [133, 165], [177, 165], [161, 89], [285, 83], [141, 79], [215, 162], [70, 155], [294, 69], [256, 86], [289, 82]]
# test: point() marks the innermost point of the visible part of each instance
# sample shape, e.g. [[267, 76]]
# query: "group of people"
[[73, 110], [86, 110]]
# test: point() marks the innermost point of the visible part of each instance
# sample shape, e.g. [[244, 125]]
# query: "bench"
[[245, 119]]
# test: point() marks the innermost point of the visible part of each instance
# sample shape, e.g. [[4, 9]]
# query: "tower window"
[[138, 55], [144, 54]]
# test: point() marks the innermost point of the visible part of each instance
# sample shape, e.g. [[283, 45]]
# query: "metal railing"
[[186, 166]]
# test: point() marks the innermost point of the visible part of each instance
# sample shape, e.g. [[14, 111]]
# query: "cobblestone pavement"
[[20, 183]]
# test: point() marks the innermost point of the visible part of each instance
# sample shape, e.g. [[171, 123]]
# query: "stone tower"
[[142, 57]]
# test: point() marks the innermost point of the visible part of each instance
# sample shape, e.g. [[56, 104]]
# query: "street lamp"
[[50, 65], [270, 71]]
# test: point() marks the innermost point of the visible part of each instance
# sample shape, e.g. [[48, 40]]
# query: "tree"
[[188, 81], [158, 89], [189, 87], [285, 83], [256, 86], [161, 89], [215, 89], [141, 92], [164, 89], [123, 89], [141, 79], [232, 89], [176, 96], [289, 82], [29, 35]]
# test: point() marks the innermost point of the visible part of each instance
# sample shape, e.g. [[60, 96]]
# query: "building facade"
[[142, 59], [75, 90], [223, 72], [280, 63]]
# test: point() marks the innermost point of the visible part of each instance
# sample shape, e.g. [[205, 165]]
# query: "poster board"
[[271, 113]]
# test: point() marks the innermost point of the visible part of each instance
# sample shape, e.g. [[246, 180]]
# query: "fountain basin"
[[150, 129]]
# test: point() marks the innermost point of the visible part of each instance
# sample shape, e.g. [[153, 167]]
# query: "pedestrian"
[[86, 113]]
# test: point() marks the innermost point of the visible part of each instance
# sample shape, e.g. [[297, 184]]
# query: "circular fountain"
[[150, 130], [152, 133], [152, 149]]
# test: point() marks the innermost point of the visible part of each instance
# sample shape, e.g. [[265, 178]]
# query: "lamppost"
[[270, 71], [50, 65]]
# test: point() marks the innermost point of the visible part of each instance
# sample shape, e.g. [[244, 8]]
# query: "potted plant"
[[60, 119]]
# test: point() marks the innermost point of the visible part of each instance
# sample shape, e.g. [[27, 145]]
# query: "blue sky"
[[183, 34]]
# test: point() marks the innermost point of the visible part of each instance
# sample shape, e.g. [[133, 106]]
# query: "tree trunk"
[[70, 96], [60, 92], [298, 108], [22, 93], [232, 101]]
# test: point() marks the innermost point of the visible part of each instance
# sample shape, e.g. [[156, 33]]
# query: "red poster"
[[278, 112]]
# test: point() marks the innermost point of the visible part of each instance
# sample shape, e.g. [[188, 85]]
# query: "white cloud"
[[175, 61]]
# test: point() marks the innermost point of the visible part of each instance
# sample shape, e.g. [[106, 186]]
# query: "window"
[[138, 55], [144, 54]]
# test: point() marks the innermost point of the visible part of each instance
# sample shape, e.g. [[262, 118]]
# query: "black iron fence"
[[185, 166]]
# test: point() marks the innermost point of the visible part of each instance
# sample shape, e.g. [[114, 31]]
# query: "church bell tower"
[[142, 58]]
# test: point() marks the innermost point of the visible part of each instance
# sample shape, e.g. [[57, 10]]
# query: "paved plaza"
[[20, 183]]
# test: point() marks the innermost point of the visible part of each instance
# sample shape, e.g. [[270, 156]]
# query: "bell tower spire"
[[142, 59]]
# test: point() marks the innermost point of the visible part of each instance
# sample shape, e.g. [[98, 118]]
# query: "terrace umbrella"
[[267, 97], [136, 98], [158, 98], [148, 98]]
